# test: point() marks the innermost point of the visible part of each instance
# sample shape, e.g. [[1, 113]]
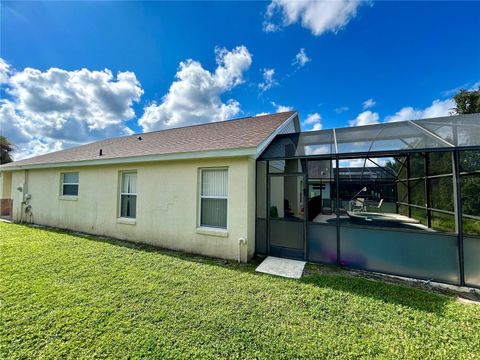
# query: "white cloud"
[[195, 96], [12, 125], [365, 118], [317, 150], [268, 79], [353, 163], [4, 71], [301, 59], [54, 109], [262, 114], [281, 108], [475, 86], [317, 16], [437, 109], [468, 86], [342, 109], [406, 113], [367, 163], [57, 97], [314, 120], [367, 104], [38, 145]]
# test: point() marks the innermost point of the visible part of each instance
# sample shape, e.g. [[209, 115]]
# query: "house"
[[190, 189], [398, 198]]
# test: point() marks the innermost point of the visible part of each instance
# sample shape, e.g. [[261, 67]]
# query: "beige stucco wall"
[[5, 185], [167, 204]]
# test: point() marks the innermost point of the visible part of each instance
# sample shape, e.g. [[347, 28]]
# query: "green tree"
[[6, 148], [467, 101]]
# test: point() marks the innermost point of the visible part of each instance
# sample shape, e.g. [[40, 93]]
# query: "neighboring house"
[[189, 188]]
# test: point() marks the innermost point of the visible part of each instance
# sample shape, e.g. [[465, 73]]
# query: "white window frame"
[[120, 194], [63, 183], [200, 197]]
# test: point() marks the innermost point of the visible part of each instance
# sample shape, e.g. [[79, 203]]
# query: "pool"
[[381, 217]]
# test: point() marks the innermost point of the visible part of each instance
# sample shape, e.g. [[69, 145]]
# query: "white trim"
[[126, 221], [120, 194], [62, 184], [204, 230], [251, 151], [68, 197], [335, 141], [263, 145], [200, 197]]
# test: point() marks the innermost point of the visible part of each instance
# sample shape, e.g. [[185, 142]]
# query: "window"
[[69, 184], [213, 198], [128, 195]]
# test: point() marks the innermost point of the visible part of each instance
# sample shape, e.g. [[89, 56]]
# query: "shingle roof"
[[232, 134]]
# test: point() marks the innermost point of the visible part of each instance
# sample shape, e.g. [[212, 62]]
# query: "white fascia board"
[[263, 145], [140, 159]]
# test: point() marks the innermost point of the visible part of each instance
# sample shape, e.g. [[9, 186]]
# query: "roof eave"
[[263, 145], [253, 152], [238, 152]]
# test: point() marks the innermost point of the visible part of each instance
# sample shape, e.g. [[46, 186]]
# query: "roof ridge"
[[212, 122]]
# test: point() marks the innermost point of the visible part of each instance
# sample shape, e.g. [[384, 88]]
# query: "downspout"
[[241, 242]]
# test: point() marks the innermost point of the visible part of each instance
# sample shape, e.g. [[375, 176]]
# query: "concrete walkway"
[[282, 267]]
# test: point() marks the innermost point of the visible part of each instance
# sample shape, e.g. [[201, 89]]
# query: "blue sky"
[[406, 57]]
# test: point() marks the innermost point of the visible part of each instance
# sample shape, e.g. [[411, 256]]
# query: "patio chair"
[[358, 204], [273, 212]]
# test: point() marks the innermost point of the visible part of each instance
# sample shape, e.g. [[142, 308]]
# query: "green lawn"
[[64, 295]]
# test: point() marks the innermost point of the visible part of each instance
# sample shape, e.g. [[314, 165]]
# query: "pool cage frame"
[[401, 141]]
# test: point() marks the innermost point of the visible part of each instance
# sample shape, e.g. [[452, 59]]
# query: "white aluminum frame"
[[122, 173], [63, 183], [200, 197]]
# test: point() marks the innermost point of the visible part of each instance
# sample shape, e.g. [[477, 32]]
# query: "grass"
[[71, 296]]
